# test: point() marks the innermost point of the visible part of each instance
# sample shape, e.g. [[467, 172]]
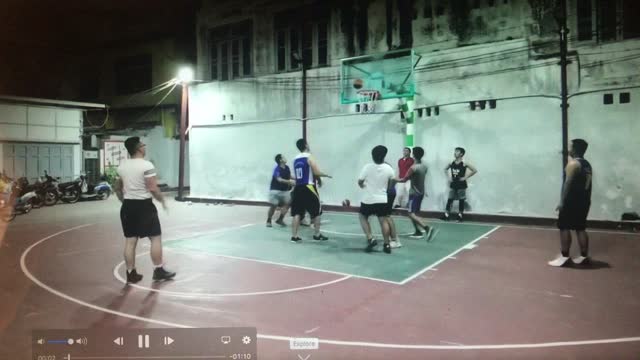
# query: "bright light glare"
[[185, 75]]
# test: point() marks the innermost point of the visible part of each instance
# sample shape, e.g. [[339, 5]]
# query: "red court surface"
[[497, 300]]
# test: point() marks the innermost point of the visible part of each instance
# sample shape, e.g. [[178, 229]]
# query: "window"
[[230, 51], [607, 20], [301, 33], [625, 98], [607, 99], [133, 74]]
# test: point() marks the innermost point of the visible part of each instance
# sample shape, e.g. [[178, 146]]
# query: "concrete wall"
[[516, 146], [163, 152]]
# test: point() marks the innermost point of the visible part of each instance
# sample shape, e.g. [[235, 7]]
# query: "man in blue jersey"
[[279, 191], [305, 193]]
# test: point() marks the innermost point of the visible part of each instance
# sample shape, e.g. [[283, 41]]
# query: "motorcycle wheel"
[[72, 198], [103, 195], [37, 202], [50, 198]]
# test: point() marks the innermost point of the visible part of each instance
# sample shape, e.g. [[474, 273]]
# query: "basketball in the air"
[[346, 203], [358, 83]]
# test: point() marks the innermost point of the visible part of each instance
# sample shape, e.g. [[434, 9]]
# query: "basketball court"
[[476, 290]]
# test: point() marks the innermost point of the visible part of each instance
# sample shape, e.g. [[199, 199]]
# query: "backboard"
[[390, 74]]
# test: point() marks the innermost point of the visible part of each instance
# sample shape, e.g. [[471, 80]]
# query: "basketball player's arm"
[[316, 170], [152, 185], [473, 172], [283, 180], [117, 188], [571, 170], [406, 177]]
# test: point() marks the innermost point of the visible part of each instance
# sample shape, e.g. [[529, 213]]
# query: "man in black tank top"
[[458, 172], [574, 204]]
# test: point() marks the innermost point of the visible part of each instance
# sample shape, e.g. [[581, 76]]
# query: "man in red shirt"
[[404, 164]]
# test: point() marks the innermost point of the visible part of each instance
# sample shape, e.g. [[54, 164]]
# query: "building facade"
[[488, 80]]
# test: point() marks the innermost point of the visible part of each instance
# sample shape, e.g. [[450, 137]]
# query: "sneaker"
[[431, 234], [296, 240], [581, 260], [371, 244], [459, 218], [281, 223], [269, 224], [320, 237], [133, 277], [559, 261], [387, 248], [417, 235], [395, 244], [160, 274], [445, 217]]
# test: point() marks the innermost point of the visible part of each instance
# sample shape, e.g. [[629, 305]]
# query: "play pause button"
[[168, 340]]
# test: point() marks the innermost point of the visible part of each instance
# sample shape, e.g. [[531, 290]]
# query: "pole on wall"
[[409, 107], [564, 32], [304, 101], [183, 129]]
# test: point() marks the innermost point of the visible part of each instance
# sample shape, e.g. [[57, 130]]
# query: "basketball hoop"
[[367, 100]]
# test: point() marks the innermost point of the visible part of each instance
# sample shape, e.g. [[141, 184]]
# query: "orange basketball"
[[358, 83]]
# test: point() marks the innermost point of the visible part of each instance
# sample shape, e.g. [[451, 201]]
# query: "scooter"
[[23, 204], [100, 191], [69, 192]]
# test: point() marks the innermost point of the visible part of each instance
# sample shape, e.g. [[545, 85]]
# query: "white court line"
[[531, 227], [69, 298], [117, 275], [448, 256], [295, 266], [117, 268]]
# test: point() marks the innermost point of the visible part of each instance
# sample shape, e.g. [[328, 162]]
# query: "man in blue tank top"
[[305, 192], [574, 204]]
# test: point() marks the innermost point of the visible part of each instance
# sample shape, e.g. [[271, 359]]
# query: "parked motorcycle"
[[69, 192], [100, 191], [23, 203]]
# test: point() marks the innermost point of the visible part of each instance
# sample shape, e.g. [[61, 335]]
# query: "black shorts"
[[139, 218], [573, 216], [306, 199], [379, 210], [391, 198]]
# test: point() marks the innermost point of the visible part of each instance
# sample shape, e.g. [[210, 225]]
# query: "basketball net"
[[367, 100]]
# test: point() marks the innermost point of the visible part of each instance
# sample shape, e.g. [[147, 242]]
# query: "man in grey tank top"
[[417, 174]]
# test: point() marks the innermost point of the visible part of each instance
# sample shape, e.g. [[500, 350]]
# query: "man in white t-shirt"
[[375, 180], [135, 187]]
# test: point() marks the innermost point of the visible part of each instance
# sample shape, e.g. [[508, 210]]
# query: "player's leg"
[[395, 243], [129, 220], [564, 225], [581, 234], [384, 225], [315, 213], [450, 200], [153, 231], [461, 195], [285, 200], [297, 211]]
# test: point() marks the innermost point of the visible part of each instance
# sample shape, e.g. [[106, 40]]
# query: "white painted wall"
[[236, 161], [516, 146]]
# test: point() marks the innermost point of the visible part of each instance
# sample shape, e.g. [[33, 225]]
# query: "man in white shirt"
[[375, 180], [135, 187]]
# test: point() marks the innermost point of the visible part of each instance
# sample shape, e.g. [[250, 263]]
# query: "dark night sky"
[[49, 48]]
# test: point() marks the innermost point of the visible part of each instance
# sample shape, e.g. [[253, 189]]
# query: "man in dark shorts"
[[417, 174], [305, 193], [375, 179], [135, 187], [459, 171], [280, 190], [574, 204]]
